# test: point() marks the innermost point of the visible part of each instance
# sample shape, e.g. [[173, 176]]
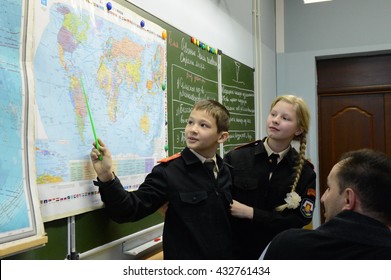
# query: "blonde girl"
[[273, 184]]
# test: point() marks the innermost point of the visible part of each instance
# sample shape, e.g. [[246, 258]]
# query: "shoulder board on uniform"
[[168, 159], [250, 144], [310, 163]]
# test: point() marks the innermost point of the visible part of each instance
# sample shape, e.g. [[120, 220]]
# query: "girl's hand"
[[240, 210]]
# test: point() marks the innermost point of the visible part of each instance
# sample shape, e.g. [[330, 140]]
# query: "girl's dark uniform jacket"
[[251, 186], [197, 221]]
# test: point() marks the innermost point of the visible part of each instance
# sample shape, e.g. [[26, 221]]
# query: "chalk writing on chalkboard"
[[238, 98], [192, 76]]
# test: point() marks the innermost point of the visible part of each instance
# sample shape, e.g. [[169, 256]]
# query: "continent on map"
[[120, 63]]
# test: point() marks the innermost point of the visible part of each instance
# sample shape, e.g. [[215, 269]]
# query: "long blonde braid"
[[303, 118], [298, 168]]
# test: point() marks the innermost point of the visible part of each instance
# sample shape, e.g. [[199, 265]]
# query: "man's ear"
[[350, 199], [223, 137]]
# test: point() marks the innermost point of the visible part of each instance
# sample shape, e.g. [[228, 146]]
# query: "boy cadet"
[[197, 220]]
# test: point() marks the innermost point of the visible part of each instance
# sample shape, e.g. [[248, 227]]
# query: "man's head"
[[360, 182]]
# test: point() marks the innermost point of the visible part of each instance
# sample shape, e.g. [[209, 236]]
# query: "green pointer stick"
[[91, 121]]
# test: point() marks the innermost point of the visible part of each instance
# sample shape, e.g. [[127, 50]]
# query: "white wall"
[[223, 24], [335, 28]]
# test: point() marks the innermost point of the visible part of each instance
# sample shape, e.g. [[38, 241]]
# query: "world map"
[[122, 68], [16, 213]]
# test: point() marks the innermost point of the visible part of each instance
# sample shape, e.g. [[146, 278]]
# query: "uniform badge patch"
[[307, 208]]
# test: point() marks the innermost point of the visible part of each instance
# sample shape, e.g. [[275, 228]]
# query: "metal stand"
[[72, 254]]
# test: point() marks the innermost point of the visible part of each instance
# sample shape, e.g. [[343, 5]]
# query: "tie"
[[210, 166], [273, 161]]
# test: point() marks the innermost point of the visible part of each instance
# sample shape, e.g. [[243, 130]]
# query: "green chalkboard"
[[192, 75], [238, 98]]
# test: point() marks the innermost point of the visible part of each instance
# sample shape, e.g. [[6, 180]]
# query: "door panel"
[[348, 122]]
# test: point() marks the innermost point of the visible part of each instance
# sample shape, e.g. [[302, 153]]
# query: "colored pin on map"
[[164, 35], [142, 23], [164, 87], [109, 6], [92, 123]]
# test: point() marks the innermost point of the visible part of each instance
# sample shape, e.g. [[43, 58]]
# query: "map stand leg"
[[72, 255]]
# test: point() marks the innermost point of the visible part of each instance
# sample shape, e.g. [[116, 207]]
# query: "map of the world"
[[21, 226], [122, 67], [15, 216]]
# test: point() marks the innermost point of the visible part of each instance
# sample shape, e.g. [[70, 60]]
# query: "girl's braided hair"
[[303, 121]]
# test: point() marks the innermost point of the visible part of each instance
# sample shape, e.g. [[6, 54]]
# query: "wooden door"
[[347, 123], [354, 105]]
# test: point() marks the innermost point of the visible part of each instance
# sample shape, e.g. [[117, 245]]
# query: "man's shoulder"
[[292, 244], [294, 235]]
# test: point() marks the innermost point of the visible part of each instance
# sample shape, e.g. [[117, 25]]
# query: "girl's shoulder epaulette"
[[310, 163], [168, 159], [250, 144]]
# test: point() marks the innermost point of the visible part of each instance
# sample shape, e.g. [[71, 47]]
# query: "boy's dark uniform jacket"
[[197, 221], [252, 187]]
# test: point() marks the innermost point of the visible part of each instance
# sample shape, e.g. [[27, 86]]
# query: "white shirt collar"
[[202, 158], [270, 151]]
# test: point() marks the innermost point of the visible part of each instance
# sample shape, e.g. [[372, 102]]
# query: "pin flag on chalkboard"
[[205, 46]]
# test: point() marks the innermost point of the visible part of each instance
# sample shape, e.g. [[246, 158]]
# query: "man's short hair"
[[368, 172]]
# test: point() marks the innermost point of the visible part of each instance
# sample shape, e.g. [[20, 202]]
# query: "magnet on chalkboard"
[[166, 148], [163, 86], [109, 6], [142, 23], [164, 34]]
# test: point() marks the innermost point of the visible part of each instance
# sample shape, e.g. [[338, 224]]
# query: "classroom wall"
[[225, 24], [335, 28]]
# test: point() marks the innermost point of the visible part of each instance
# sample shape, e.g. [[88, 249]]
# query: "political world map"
[[122, 68], [17, 219]]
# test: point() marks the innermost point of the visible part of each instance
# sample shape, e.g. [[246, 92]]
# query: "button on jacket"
[[197, 221]]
